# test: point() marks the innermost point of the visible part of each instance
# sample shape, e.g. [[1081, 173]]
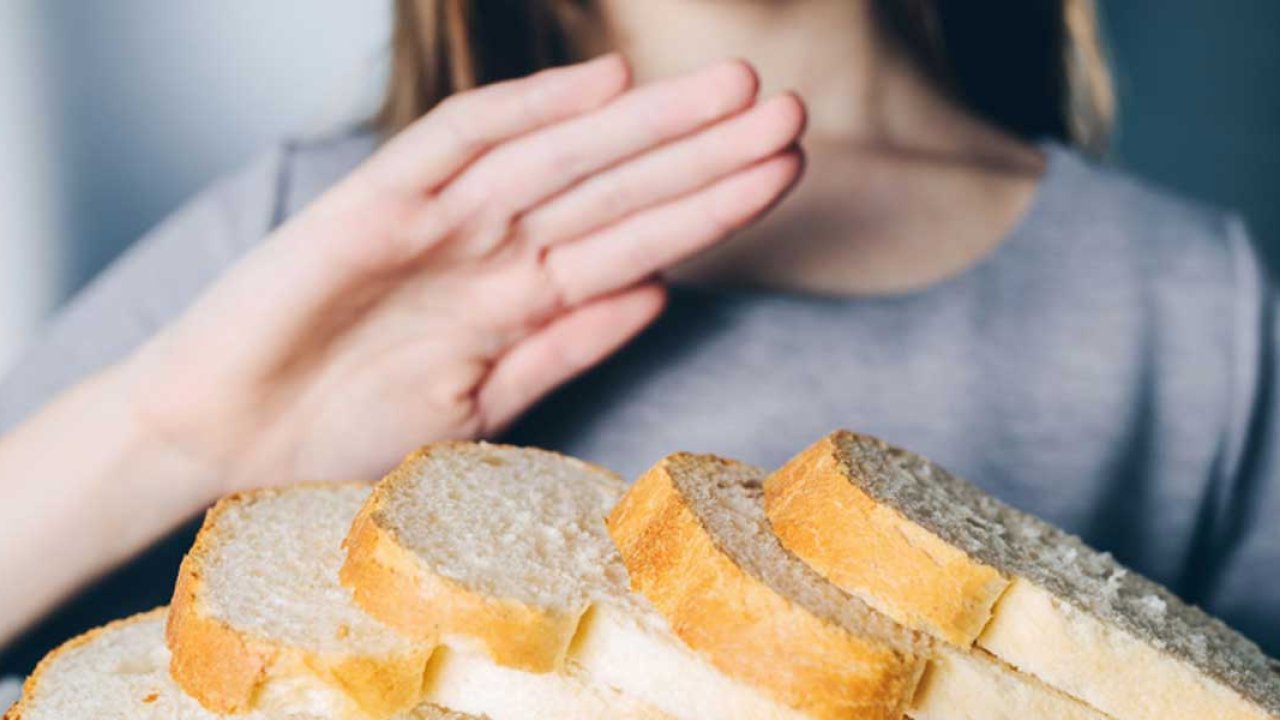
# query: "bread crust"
[[744, 627], [839, 506], [225, 668], [215, 664], [392, 585], [819, 513], [32, 684]]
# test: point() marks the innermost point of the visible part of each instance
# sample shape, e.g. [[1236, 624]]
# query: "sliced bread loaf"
[[258, 615], [693, 533], [696, 548], [502, 551], [935, 553], [121, 672]]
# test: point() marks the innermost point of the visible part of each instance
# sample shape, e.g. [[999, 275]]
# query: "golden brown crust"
[[745, 628], [392, 585], [215, 664], [225, 668], [31, 686], [384, 581], [819, 513]]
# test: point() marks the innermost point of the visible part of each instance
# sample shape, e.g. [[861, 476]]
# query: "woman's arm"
[[496, 248], [146, 288], [86, 485]]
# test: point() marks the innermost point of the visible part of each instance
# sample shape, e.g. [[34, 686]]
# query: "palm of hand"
[[464, 271]]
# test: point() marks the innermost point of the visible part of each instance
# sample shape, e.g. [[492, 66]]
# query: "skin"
[[504, 243], [903, 187]]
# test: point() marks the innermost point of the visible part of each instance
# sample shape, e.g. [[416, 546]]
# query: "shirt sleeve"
[[1245, 591], [148, 286]]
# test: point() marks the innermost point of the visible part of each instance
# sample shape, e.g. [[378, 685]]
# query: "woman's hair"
[[1033, 67]]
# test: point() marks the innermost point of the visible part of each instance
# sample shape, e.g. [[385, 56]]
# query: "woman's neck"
[[795, 45], [905, 186], [861, 86]]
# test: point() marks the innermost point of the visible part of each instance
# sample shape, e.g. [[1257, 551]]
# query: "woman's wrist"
[[159, 462], [86, 476]]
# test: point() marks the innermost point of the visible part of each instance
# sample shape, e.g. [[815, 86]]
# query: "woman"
[[951, 275]]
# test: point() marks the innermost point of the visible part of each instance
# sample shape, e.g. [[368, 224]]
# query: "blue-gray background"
[[1200, 101], [111, 113]]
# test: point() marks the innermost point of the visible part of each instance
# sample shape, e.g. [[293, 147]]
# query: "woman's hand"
[[501, 245]]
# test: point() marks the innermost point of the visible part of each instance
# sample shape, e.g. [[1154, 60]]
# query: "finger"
[[521, 173], [669, 172], [563, 349], [656, 239], [465, 125]]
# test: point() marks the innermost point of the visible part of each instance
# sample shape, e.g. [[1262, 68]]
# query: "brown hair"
[[1034, 67]]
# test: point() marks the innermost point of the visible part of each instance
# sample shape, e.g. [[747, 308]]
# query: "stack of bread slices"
[[479, 580]]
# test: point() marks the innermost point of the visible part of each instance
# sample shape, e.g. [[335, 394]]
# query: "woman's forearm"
[[83, 486]]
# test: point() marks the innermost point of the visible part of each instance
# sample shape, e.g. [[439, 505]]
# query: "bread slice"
[[263, 618], [935, 553], [121, 672], [697, 548], [693, 533], [961, 685], [258, 616], [490, 545], [502, 551], [471, 681]]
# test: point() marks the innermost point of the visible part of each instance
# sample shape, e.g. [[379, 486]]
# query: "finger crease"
[[559, 297]]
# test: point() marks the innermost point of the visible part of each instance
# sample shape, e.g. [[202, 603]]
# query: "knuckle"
[[521, 230], [660, 117], [615, 196], [557, 297], [434, 220], [493, 230], [559, 155], [466, 198], [534, 100], [413, 234], [451, 102], [451, 115]]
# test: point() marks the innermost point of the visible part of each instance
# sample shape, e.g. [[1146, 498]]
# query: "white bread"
[[472, 682], [973, 685], [935, 553], [693, 533], [121, 672], [258, 616], [263, 574], [730, 591], [503, 551]]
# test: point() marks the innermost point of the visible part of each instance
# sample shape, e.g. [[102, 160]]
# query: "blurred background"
[[115, 112]]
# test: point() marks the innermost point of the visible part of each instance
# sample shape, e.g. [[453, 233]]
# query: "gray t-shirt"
[[1111, 367]]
